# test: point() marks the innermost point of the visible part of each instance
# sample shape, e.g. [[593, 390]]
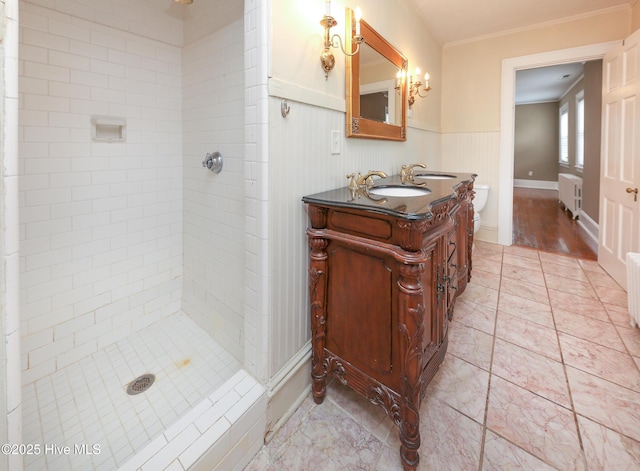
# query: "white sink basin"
[[398, 191], [435, 176]]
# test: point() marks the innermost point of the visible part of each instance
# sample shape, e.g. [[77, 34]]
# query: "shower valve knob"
[[213, 162]]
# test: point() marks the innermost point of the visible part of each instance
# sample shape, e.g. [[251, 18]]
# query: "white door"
[[620, 160]]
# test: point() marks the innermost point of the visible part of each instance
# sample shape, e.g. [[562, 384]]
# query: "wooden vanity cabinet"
[[382, 290], [463, 219]]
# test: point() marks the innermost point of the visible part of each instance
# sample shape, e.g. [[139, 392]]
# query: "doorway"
[[542, 95], [509, 68]]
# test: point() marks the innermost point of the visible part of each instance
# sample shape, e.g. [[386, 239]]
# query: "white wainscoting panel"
[[477, 152], [301, 164]]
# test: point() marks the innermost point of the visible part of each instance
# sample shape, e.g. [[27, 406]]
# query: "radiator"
[[633, 287], [570, 192]]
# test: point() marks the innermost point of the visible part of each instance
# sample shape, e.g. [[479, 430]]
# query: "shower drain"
[[140, 384]]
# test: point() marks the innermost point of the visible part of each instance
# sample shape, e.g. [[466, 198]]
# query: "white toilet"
[[479, 202]]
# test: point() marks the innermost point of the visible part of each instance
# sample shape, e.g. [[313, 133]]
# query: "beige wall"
[[635, 16], [536, 142], [471, 95], [471, 72], [297, 45]]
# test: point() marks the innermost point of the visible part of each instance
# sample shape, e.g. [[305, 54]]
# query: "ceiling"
[[459, 20], [546, 84]]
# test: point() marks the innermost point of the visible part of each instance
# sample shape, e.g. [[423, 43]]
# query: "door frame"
[[507, 119]]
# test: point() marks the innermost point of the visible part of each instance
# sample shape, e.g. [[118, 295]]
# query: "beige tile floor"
[[542, 373]]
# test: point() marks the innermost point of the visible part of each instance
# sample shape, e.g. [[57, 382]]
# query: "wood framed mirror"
[[376, 90]]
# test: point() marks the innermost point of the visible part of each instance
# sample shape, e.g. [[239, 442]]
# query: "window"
[[564, 134], [580, 130]]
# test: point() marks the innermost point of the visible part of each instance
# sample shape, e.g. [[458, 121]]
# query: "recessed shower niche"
[[108, 129]]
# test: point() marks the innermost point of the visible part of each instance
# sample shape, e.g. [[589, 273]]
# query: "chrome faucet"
[[406, 173], [367, 180]]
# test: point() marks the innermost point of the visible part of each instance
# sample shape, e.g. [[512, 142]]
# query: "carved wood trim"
[[411, 233], [317, 298], [433, 366], [411, 327], [441, 212], [464, 191], [399, 254], [376, 392], [333, 365], [383, 397], [355, 125], [470, 228], [318, 216]]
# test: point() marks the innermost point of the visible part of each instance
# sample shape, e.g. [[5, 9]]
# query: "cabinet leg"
[[410, 459], [411, 316], [319, 390], [318, 299], [410, 444]]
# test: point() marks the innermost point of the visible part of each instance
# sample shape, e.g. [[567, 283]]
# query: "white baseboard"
[[287, 389], [487, 234], [537, 184], [588, 225]]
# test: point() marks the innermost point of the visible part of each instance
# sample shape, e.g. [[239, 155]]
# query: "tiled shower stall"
[[133, 257]]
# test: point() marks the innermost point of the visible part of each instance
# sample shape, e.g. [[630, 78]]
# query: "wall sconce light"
[[414, 87], [328, 22]]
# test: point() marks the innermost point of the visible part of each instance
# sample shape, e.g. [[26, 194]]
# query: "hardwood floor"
[[540, 222]]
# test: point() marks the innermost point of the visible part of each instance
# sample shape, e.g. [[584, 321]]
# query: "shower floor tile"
[[85, 406]]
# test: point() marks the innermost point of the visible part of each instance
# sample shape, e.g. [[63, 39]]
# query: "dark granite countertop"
[[413, 207]]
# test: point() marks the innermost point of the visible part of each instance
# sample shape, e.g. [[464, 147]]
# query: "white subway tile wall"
[[100, 222], [108, 229], [257, 301], [213, 117], [11, 398]]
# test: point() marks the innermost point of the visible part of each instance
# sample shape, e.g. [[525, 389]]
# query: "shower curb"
[[208, 432]]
